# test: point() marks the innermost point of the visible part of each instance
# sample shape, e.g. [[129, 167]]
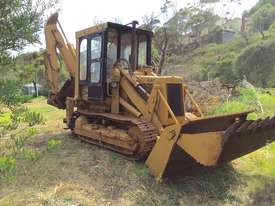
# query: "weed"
[[29, 154], [4, 118], [32, 131], [52, 144], [3, 130], [19, 141], [7, 167], [33, 118]]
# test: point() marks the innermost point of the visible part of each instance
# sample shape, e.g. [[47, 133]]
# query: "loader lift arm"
[[57, 40]]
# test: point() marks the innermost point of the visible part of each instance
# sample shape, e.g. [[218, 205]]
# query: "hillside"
[[222, 61], [250, 53]]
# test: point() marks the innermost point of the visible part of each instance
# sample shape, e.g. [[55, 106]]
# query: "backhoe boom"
[[56, 40]]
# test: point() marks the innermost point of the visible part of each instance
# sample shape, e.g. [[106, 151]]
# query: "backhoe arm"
[[56, 39]]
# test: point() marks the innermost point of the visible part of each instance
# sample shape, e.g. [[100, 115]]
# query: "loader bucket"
[[208, 142]]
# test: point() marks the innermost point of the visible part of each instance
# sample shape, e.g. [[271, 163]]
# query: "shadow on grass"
[[132, 179], [206, 186], [264, 194]]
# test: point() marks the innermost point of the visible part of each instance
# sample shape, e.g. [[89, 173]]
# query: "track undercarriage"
[[132, 137]]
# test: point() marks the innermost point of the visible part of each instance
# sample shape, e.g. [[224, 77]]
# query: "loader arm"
[[56, 40]]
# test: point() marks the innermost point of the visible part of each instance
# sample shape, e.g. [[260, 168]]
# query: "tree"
[[20, 24], [30, 68], [260, 4], [160, 42], [263, 18], [150, 22], [257, 62], [200, 19]]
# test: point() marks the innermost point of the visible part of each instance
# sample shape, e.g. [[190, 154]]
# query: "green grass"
[[54, 168], [262, 161], [4, 118]]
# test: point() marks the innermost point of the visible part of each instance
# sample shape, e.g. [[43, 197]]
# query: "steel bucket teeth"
[[248, 137]]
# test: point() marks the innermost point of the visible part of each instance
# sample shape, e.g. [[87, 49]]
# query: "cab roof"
[[102, 27]]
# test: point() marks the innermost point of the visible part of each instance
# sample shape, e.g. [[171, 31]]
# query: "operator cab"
[[99, 47]]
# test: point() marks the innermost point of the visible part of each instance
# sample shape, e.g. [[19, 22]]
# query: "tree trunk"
[[244, 35], [262, 33], [163, 50], [35, 88]]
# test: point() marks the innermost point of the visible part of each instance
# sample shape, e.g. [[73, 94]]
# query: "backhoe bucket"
[[208, 142]]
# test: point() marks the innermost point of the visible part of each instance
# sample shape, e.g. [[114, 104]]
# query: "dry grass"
[[76, 173]]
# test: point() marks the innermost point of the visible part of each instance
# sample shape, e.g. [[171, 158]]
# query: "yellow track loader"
[[115, 99]]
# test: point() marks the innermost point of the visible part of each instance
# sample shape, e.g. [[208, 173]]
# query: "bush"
[[19, 140], [257, 62], [11, 95], [231, 107]]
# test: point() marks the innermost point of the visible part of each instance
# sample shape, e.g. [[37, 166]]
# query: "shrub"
[[19, 140], [231, 107], [10, 94], [257, 63]]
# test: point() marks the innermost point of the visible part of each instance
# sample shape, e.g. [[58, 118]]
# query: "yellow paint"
[[203, 147], [159, 156]]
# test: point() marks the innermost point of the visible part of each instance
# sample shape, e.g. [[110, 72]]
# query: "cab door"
[[95, 68]]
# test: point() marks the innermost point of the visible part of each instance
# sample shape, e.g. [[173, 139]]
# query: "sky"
[[79, 14]]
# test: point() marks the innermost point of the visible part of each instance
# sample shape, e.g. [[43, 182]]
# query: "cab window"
[[125, 49], [83, 60], [95, 67], [111, 51], [142, 50]]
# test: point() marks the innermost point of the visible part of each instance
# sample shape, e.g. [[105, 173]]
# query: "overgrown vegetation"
[[230, 62]]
